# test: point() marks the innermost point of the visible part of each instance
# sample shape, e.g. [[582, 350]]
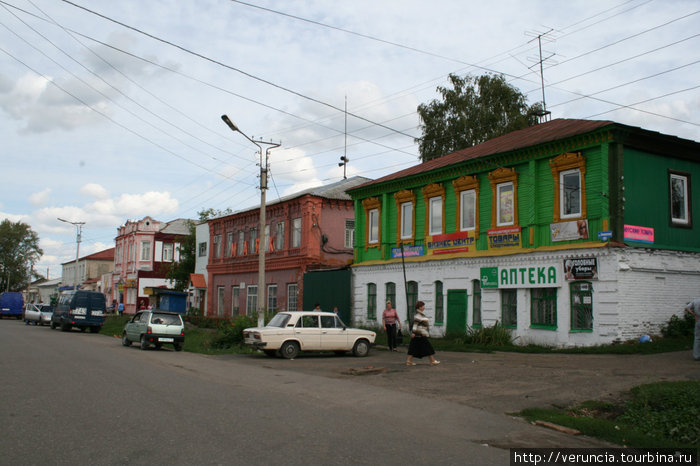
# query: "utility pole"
[[262, 240], [78, 227], [545, 115], [344, 158]]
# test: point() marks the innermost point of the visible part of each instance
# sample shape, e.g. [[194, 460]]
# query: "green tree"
[[473, 110], [19, 251]]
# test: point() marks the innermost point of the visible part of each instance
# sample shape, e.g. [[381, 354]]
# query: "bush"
[[498, 335], [230, 333], [679, 327], [193, 315]]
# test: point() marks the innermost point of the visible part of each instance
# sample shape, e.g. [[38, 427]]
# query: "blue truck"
[[11, 304]]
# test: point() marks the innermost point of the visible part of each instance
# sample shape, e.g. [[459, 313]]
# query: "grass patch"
[[657, 415]]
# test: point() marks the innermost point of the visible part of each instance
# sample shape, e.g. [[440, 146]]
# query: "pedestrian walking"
[[420, 346], [693, 308], [391, 322]]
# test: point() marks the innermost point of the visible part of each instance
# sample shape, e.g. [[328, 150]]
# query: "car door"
[[333, 336], [308, 332], [136, 327]]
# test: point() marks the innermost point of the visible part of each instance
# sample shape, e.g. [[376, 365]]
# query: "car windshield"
[[46, 309], [165, 319], [280, 320]]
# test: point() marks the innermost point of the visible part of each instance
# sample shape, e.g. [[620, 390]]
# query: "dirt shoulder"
[[500, 382]]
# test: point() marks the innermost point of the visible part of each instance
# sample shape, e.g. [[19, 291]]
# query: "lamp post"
[[78, 229], [262, 237]]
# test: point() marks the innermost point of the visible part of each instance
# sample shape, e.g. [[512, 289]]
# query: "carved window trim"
[[402, 197], [462, 184], [498, 177], [565, 162], [369, 204], [431, 191]]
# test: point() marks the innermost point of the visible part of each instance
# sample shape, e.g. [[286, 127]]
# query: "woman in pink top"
[[390, 320]]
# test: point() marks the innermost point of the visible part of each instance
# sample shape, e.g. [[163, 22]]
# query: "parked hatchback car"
[[288, 333], [38, 314], [155, 328]]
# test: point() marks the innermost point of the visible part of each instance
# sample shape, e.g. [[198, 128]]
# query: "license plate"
[[166, 340]]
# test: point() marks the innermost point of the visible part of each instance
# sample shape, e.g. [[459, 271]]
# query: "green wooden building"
[[571, 232]]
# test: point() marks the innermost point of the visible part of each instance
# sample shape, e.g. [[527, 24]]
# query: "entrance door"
[[456, 311]]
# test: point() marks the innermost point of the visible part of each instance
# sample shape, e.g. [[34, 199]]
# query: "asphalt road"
[[75, 398]]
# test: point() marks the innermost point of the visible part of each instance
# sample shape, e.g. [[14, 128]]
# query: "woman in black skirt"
[[420, 345]]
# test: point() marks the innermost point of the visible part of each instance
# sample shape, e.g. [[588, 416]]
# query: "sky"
[[111, 111]]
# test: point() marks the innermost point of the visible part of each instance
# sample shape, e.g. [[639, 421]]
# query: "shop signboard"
[[408, 251], [581, 268], [640, 234], [569, 231], [504, 238], [525, 276], [450, 242], [489, 277]]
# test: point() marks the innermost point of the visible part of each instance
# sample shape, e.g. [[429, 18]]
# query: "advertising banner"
[[450, 242], [640, 234], [569, 231], [504, 238], [408, 251], [584, 268], [489, 277], [531, 276]]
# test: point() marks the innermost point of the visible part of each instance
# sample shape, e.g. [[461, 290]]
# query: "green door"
[[456, 311]]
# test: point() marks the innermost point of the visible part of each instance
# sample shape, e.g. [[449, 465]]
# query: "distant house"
[[571, 232], [144, 251], [198, 280], [90, 270], [309, 230]]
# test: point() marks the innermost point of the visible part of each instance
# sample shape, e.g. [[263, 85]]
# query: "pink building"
[[308, 230], [144, 251]]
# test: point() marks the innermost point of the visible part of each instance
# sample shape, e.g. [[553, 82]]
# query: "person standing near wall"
[[693, 308], [390, 320]]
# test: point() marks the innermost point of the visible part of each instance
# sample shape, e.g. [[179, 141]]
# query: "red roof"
[[531, 136], [197, 280]]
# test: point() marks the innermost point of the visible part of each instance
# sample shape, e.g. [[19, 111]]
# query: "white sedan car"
[[288, 333]]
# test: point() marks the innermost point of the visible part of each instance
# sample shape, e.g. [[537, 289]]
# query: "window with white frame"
[[505, 204], [272, 298], [349, 233], [217, 245], [203, 249], [279, 238], [168, 249], [570, 193], [296, 232], [680, 198], [406, 220], [435, 216], [292, 290], [467, 205], [252, 301], [373, 226], [145, 250]]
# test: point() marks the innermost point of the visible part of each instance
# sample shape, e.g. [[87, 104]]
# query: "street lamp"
[[78, 228], [262, 238]]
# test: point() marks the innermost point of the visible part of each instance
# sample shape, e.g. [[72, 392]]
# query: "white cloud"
[[40, 198], [94, 190]]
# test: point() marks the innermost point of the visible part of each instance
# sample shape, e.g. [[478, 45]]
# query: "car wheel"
[[125, 340], [95, 329], [270, 352], [144, 342], [178, 346], [361, 348], [66, 327], [53, 325], [289, 349]]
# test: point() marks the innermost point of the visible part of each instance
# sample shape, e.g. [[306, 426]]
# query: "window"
[[476, 303], [439, 303], [405, 202], [296, 233], [292, 290], [543, 308], [435, 227], [217, 245], [570, 194], [467, 188], [279, 238], [203, 249], [509, 308], [251, 307], [505, 204], [272, 298], [229, 244], [252, 240], [372, 301], [412, 299], [235, 299], [434, 195], [330, 322], [390, 293], [145, 250], [581, 306], [349, 233], [267, 238], [168, 252], [568, 174], [241, 243], [220, 301], [373, 232], [680, 199]]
